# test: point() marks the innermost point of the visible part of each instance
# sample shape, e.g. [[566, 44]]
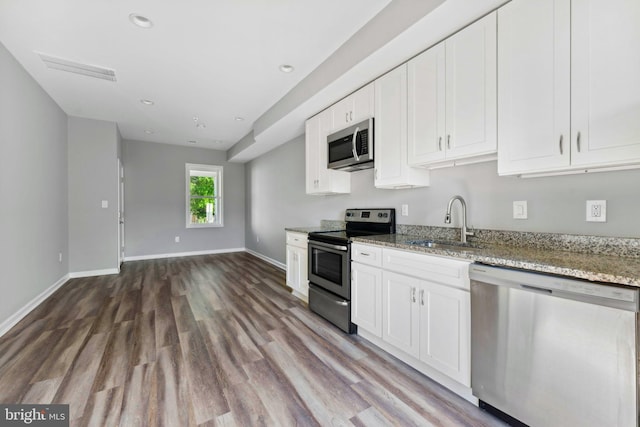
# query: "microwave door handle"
[[353, 142]]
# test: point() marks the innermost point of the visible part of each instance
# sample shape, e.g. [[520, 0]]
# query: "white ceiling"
[[214, 59]]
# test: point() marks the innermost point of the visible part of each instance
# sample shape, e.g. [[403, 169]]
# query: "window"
[[204, 195]]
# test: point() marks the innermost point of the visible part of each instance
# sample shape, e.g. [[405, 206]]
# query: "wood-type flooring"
[[213, 340]]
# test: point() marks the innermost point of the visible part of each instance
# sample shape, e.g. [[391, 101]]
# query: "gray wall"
[[276, 199], [93, 177], [154, 204], [33, 188]]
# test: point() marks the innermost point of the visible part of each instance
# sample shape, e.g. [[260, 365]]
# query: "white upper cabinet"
[[319, 179], [605, 82], [452, 98], [533, 85], [390, 159], [568, 85], [354, 108]]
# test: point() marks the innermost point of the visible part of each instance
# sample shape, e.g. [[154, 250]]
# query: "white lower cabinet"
[[297, 275], [416, 307], [366, 298], [445, 316], [400, 313]]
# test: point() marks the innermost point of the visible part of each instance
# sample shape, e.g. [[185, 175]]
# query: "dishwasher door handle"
[[536, 289]]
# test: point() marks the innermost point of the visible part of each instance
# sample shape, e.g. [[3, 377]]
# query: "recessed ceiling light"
[[140, 21], [239, 119], [286, 68], [148, 131], [147, 102], [201, 125]]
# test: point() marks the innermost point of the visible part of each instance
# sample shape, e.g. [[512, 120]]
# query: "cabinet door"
[[471, 95], [605, 80], [293, 267], [342, 113], [391, 127], [400, 312], [319, 179], [312, 143], [303, 273], [392, 169], [533, 86], [363, 103], [297, 270], [426, 106], [366, 298], [445, 330]]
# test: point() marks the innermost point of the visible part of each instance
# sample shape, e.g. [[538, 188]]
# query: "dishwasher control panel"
[[602, 291], [578, 289]]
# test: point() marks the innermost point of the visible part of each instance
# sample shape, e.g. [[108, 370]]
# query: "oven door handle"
[[328, 246], [342, 303]]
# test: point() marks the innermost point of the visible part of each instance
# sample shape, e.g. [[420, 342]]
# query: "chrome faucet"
[[447, 218]]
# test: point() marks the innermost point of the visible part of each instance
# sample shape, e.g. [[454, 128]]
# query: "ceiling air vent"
[[78, 68]]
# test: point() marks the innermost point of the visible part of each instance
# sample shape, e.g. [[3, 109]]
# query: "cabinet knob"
[[346, 117], [350, 115], [413, 294], [422, 297], [440, 143], [448, 142]]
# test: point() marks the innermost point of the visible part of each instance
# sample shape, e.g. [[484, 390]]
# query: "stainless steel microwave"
[[351, 149]]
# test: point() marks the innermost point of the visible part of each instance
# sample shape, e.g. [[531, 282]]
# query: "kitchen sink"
[[445, 244]]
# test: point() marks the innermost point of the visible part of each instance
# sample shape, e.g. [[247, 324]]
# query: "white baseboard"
[[20, 314], [91, 273], [182, 254], [267, 259]]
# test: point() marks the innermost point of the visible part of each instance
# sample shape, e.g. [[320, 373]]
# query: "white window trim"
[[219, 194]]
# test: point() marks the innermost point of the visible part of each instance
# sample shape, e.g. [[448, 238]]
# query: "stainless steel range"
[[330, 263]]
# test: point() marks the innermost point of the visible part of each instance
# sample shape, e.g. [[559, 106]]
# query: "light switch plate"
[[105, 204], [404, 210], [596, 211], [520, 209]]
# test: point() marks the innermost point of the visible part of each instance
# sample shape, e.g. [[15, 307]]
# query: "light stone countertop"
[[325, 226], [623, 270]]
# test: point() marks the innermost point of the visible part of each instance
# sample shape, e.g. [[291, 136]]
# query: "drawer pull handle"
[[364, 254]]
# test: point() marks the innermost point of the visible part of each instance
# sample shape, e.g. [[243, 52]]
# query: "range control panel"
[[370, 215]]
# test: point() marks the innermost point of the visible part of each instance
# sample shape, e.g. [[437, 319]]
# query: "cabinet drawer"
[[365, 254], [297, 239], [435, 269]]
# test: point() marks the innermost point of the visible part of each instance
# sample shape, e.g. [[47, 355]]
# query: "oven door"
[[329, 267]]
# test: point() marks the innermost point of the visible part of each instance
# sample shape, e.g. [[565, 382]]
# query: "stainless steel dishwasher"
[[553, 351]]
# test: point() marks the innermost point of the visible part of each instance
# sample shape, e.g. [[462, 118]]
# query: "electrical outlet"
[[405, 210], [596, 210], [105, 204], [520, 209], [177, 239]]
